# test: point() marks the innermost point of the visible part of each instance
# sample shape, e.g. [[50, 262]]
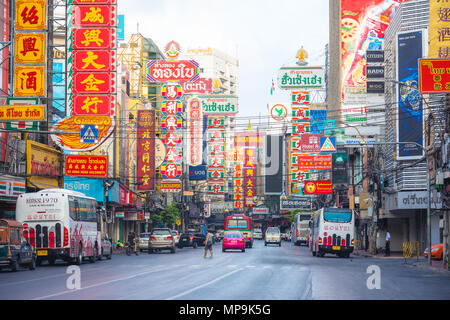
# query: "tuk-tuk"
[[15, 251]]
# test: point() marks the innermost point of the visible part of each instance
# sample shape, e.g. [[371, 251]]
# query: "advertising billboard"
[[410, 49], [273, 164]]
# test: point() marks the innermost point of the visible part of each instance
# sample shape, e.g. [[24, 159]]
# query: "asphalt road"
[[262, 273]]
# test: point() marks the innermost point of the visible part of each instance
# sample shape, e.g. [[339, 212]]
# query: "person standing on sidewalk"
[[208, 244], [388, 244]]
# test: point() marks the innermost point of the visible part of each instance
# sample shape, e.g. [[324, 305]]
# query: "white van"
[[257, 234]]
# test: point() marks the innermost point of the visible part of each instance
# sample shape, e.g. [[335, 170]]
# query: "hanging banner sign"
[[29, 81], [171, 70], [300, 97], [86, 166], [172, 107], [23, 113], [195, 132], [94, 60], [170, 185], [171, 170], [93, 83], [318, 187], [171, 91], [201, 86], [87, 15], [171, 123], [434, 75], [94, 38], [89, 105], [218, 104], [301, 77], [30, 48], [30, 14], [308, 162], [145, 168]]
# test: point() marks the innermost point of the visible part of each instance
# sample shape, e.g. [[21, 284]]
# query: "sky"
[[263, 34]]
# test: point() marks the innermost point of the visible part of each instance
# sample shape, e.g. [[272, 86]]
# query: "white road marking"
[[250, 266], [267, 267], [232, 266], [205, 284], [101, 284]]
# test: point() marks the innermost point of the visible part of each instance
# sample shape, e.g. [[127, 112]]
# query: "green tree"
[[293, 213], [170, 215]]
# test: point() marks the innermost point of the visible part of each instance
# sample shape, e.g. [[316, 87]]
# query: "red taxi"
[[233, 240]]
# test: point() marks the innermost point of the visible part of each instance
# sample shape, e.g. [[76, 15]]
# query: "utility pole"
[[364, 143]]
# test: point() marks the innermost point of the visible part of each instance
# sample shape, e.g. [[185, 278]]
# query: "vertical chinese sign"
[[216, 164], [145, 170], [300, 126], [172, 122], [250, 176], [439, 36], [195, 132], [29, 64], [91, 77], [238, 178]]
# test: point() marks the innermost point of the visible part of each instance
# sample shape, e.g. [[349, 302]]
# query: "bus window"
[[234, 223], [338, 216], [73, 208]]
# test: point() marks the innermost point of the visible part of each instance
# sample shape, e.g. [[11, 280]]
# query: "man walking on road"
[[208, 243], [388, 244]]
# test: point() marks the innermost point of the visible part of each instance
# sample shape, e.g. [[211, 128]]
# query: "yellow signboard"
[[30, 48], [439, 35], [43, 165], [22, 113], [29, 81], [30, 14]]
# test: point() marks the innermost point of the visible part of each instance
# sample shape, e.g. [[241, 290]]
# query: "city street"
[[261, 273]]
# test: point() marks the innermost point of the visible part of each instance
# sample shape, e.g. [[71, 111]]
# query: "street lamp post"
[[363, 143]]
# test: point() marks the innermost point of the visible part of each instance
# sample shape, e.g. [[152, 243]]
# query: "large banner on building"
[[273, 164], [438, 29], [363, 23], [410, 105]]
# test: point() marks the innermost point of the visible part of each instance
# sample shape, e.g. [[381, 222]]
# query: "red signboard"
[[170, 185], [318, 187], [93, 105], [94, 60], [248, 139], [170, 170], [201, 86], [434, 75], [93, 82], [94, 38], [171, 123], [310, 143], [86, 166], [145, 169], [171, 139], [90, 2], [307, 162], [172, 107], [170, 70], [94, 16]]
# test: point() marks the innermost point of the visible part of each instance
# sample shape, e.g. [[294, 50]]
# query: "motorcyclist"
[[131, 241]]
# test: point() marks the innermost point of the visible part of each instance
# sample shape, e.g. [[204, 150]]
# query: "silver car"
[[143, 241], [161, 239], [273, 235]]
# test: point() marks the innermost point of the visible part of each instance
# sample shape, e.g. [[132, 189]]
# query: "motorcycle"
[[130, 249]]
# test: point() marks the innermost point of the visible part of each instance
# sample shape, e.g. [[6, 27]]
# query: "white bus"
[[300, 228], [60, 224], [332, 230]]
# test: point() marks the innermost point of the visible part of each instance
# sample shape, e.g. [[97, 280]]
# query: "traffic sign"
[[89, 133], [327, 144]]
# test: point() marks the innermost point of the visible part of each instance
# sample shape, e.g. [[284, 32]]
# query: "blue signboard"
[[410, 104], [89, 133], [120, 27], [90, 187], [197, 173], [317, 120], [327, 144]]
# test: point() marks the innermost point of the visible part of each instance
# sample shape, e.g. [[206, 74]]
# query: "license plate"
[[336, 248], [233, 241], [42, 253]]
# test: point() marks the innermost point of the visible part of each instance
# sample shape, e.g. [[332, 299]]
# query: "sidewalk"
[[366, 254]]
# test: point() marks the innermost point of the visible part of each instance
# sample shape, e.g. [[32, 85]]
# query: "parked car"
[[218, 236], [233, 240], [143, 241], [273, 235], [107, 248], [162, 239], [176, 236], [187, 240], [14, 250], [257, 234], [200, 238], [436, 251]]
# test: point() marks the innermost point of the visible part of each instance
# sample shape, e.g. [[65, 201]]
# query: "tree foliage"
[[168, 216]]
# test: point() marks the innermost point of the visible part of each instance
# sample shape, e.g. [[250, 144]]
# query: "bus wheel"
[[79, 259], [313, 253], [51, 261]]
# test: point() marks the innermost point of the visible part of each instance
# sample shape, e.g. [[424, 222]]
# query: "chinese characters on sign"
[[439, 29], [145, 171], [86, 166]]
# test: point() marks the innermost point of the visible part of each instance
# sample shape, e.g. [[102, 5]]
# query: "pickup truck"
[[15, 251]]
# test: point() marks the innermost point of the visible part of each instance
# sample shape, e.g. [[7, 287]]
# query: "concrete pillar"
[[435, 231]]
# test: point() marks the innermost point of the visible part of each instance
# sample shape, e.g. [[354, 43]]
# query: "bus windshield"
[[337, 215], [237, 224]]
